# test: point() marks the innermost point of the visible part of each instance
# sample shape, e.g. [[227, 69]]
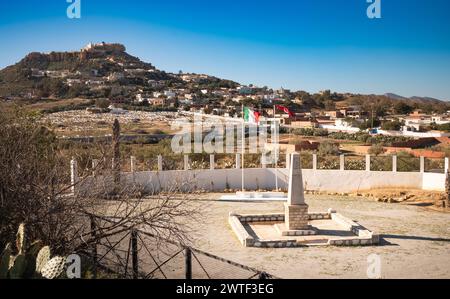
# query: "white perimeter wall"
[[433, 181], [265, 178]]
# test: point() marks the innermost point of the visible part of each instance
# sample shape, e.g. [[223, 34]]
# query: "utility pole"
[[372, 116], [116, 156]]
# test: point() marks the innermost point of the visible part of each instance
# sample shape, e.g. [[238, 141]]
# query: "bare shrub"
[[35, 188], [34, 183], [328, 148]]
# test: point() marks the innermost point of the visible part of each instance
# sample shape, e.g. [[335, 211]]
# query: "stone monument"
[[296, 210], [296, 218], [296, 227]]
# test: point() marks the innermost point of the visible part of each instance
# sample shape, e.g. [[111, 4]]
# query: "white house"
[[170, 94], [115, 110], [115, 76], [245, 90], [142, 97]]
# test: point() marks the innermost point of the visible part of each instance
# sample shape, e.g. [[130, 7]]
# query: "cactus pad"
[[42, 258], [54, 268]]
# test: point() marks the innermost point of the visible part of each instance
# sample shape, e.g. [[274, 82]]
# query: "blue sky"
[[299, 44]]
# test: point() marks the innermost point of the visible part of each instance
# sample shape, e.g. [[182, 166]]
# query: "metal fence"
[[131, 253]]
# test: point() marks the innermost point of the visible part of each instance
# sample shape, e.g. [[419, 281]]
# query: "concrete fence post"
[[186, 162], [367, 162], [263, 161], [238, 161], [342, 162], [133, 164], [94, 167], [160, 163], [212, 163], [314, 162], [394, 163], [73, 175], [446, 165], [133, 167], [422, 164]]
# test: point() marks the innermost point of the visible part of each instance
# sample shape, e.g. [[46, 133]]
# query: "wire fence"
[[381, 163], [328, 162], [131, 253], [434, 165], [408, 164], [228, 161], [354, 163]]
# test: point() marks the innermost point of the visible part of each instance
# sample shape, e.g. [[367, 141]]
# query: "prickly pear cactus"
[[31, 256], [42, 258], [54, 268], [12, 259], [29, 262], [34, 248], [5, 262], [18, 269], [20, 238]]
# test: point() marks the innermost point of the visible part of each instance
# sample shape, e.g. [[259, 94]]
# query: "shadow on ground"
[[418, 238]]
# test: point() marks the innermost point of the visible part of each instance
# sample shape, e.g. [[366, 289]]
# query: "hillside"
[[97, 70], [81, 73], [414, 99], [106, 70]]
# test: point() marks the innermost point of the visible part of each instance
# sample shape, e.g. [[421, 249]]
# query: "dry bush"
[[35, 188], [34, 183]]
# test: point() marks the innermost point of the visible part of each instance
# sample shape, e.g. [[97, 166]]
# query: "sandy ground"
[[415, 240]]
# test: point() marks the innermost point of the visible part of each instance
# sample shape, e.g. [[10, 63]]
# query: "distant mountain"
[[429, 99], [414, 99], [394, 96]]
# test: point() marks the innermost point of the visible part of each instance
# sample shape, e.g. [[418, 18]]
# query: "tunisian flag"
[[285, 110]]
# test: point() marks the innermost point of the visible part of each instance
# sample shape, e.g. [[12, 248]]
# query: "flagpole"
[[243, 147], [276, 161], [276, 149]]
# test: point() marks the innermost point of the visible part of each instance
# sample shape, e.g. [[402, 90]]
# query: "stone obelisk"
[[296, 210]]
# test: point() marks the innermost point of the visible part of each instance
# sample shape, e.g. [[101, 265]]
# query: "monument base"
[[255, 196], [281, 229], [296, 217], [327, 229]]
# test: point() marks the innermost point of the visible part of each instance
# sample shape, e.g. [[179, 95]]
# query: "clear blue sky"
[[299, 44]]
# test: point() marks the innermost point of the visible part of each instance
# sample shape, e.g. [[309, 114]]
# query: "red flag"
[[285, 110]]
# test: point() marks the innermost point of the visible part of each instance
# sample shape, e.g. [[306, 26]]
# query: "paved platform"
[[331, 229], [324, 230], [255, 196]]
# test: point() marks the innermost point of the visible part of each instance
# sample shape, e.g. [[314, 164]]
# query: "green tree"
[[376, 150], [391, 125], [402, 108], [102, 103], [444, 127]]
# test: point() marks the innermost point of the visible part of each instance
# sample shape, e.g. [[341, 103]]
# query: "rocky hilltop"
[[95, 71], [100, 65]]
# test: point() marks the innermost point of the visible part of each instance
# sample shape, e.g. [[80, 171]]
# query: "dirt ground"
[[415, 240]]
